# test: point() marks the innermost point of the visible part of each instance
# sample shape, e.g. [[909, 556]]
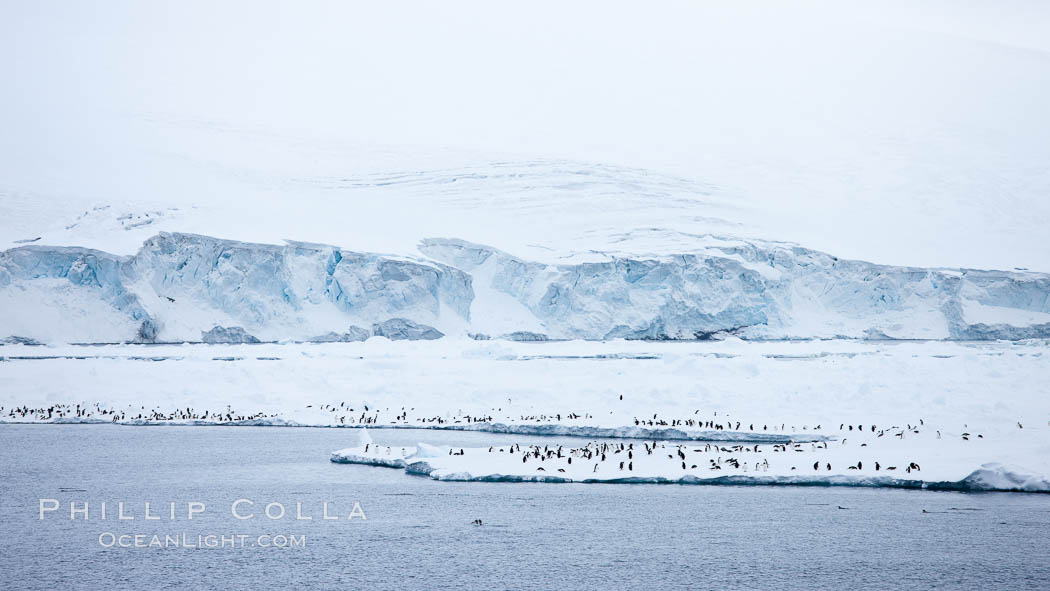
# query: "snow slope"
[[905, 133]]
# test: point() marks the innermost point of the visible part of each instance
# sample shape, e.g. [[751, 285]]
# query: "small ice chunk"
[[363, 438]]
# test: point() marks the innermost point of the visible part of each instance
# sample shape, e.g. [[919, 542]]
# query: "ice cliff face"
[[758, 290], [180, 286], [92, 274]]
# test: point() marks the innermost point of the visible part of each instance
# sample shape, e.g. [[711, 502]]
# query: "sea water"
[[413, 532]]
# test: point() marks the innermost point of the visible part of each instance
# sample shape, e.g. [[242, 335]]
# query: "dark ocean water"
[[418, 532]]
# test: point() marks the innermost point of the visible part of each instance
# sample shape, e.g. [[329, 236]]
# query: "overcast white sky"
[[847, 123]]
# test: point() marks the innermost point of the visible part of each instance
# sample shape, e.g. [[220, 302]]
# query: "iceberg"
[[17, 340], [401, 329], [364, 438], [374, 455], [230, 335], [997, 476], [425, 450], [524, 336], [352, 335]]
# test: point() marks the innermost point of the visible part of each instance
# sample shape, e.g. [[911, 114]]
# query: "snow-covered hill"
[[904, 133], [673, 172]]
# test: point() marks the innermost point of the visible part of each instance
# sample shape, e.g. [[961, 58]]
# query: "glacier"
[[183, 287], [180, 286], [754, 290]]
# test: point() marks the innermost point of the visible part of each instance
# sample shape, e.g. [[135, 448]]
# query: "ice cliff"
[[179, 287], [182, 286], [756, 290]]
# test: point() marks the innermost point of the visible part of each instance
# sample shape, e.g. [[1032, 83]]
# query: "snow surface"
[[789, 386], [950, 407]]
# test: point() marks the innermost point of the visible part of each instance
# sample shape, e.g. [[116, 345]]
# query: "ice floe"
[[658, 462]]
